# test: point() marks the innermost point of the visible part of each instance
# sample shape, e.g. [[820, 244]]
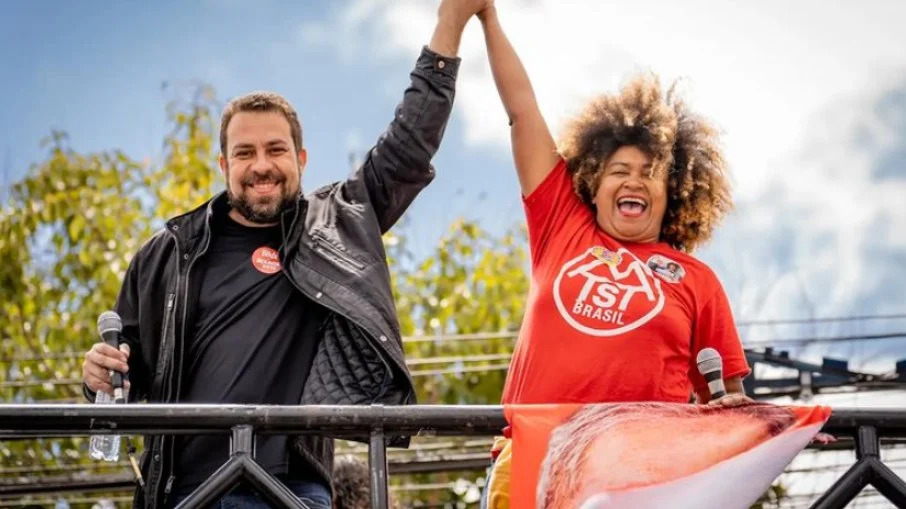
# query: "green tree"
[[472, 282], [67, 232], [463, 302], [69, 228]]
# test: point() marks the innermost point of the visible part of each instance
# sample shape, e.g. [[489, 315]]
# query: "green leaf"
[[76, 227]]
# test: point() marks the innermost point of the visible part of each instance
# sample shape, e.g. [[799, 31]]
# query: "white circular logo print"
[[606, 293]]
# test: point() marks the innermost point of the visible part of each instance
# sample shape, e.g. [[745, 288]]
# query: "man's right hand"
[[452, 16], [462, 10], [99, 361]]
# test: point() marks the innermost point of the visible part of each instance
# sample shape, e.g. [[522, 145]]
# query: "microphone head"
[[109, 321], [708, 361]]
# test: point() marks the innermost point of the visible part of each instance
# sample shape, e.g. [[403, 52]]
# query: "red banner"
[[640, 455]]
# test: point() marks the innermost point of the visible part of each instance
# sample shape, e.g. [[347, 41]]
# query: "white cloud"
[[797, 89], [757, 68], [793, 85], [840, 225]]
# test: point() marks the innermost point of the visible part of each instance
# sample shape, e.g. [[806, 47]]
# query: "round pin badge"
[[266, 260]]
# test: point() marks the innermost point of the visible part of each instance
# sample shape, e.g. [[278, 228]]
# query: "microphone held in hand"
[[110, 326], [711, 367]]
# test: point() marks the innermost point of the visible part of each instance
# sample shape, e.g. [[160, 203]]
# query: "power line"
[[414, 373], [37, 383], [19, 502], [459, 358], [460, 337], [446, 486], [830, 339], [456, 371], [827, 319], [506, 356], [478, 336], [840, 467], [33, 469], [740, 324], [362, 450]]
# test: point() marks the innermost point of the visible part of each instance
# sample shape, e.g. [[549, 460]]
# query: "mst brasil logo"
[[606, 293]]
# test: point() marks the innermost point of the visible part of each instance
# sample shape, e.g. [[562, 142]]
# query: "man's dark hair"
[[261, 102]]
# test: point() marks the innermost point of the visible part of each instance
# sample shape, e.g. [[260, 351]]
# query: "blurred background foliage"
[[69, 228]]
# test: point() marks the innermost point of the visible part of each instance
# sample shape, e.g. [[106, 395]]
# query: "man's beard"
[[266, 210]]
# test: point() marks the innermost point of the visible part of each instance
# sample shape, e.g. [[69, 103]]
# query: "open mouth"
[[632, 206], [264, 186]]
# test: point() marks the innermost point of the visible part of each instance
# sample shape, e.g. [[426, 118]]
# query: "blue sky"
[[811, 98], [97, 71]]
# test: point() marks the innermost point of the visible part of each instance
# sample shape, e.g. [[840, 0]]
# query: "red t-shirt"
[[609, 321]]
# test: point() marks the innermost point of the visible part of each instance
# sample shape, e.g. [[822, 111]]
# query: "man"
[[264, 295]]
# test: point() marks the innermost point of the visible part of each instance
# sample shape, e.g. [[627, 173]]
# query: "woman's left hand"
[[731, 400]]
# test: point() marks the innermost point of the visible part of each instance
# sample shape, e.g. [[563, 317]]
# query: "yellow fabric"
[[499, 482]]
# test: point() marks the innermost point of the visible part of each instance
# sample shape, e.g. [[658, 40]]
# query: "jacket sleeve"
[[127, 306], [399, 164]]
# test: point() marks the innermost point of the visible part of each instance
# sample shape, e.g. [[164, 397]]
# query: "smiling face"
[[631, 197], [623, 458], [262, 167], [609, 449]]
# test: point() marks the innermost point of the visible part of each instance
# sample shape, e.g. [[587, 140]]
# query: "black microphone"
[[711, 367], [110, 326]]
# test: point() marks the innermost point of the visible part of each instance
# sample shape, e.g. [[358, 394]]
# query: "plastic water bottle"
[[104, 447], [107, 447]]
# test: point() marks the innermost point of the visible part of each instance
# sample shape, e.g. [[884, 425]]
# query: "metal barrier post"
[[868, 449], [868, 470], [242, 465], [377, 460], [25, 421], [242, 440]]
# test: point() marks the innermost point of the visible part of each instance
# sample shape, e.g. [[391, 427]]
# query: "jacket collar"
[[189, 228]]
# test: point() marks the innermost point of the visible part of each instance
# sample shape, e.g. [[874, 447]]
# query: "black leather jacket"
[[332, 253]]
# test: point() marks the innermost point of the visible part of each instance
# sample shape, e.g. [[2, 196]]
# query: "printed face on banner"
[[606, 293], [605, 456]]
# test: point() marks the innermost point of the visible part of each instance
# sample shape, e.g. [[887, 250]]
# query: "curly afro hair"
[[678, 142]]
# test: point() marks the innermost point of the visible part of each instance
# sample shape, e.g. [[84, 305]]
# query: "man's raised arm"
[[399, 165]]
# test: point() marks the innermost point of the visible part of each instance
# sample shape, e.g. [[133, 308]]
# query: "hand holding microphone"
[[102, 372], [107, 361], [711, 368]]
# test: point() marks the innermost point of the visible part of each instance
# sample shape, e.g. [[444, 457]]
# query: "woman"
[[618, 308]]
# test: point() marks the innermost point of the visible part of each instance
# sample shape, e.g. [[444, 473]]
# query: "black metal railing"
[[375, 424]]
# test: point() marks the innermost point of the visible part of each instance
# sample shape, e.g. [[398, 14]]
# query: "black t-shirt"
[[252, 340]]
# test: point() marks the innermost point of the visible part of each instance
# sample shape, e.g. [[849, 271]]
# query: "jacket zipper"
[[166, 386], [340, 256], [161, 361], [185, 311], [154, 484], [335, 254]]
